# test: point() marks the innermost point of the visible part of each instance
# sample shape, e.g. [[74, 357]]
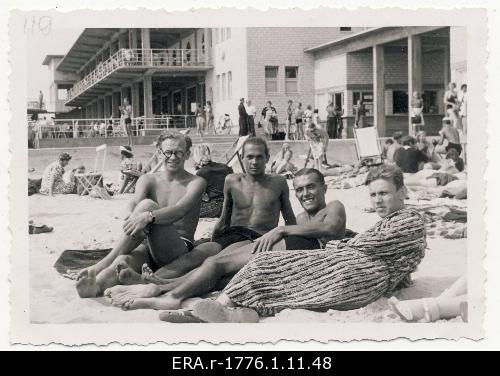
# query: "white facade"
[[227, 82]]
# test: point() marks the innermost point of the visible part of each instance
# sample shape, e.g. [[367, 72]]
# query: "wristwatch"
[[152, 217]]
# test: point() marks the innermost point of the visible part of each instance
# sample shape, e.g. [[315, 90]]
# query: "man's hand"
[[266, 242], [134, 225]]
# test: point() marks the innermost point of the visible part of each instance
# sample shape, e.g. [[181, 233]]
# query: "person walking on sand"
[[159, 222]]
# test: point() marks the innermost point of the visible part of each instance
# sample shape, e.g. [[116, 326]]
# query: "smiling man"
[[160, 222]]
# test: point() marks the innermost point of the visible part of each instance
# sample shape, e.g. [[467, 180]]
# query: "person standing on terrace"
[[126, 117]]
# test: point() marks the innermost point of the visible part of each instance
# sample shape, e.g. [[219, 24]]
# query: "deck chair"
[[368, 146], [90, 180], [236, 154], [133, 176]]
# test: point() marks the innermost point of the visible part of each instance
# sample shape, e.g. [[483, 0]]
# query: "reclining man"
[[348, 274], [160, 222], [317, 225]]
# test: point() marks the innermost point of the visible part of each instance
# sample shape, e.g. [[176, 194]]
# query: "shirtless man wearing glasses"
[[159, 226]]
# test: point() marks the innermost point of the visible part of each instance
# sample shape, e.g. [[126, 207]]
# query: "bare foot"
[[86, 286], [149, 277], [128, 276], [118, 295], [162, 303]]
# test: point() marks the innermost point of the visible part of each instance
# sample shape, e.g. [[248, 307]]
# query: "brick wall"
[[284, 47]]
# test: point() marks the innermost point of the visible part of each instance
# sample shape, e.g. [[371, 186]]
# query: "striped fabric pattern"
[[348, 274]]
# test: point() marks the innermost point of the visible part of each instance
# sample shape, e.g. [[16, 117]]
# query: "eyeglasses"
[[168, 153]]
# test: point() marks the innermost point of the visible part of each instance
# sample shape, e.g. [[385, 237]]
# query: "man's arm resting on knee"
[[171, 214], [141, 193]]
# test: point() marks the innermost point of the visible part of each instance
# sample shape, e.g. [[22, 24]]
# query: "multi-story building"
[[168, 71]]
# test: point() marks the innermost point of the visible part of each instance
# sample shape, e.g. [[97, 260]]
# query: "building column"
[[379, 89], [414, 72], [135, 99], [115, 103], [100, 108], [122, 41], [146, 46], [447, 68], [148, 98], [132, 38]]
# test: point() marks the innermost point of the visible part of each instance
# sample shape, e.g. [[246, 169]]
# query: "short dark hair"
[[409, 140], [173, 135], [397, 135], [312, 171], [390, 173], [389, 141], [64, 157], [255, 141], [464, 86]]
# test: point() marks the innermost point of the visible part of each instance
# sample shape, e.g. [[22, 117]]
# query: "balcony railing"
[[87, 128], [35, 105], [178, 58]]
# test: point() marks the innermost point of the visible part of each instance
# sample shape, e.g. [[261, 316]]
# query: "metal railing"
[[106, 128], [179, 58], [35, 105]]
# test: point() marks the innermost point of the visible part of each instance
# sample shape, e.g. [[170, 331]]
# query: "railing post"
[[185, 121]]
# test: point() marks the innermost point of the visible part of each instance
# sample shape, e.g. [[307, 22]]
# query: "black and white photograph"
[[221, 173]]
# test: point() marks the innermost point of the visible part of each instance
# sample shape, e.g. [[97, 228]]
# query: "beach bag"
[[417, 119]]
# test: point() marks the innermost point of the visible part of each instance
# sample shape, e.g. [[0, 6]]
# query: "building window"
[[228, 33], [271, 79], [229, 85], [216, 32], [62, 94], [203, 43], [218, 91], [399, 102], [224, 87], [430, 102], [345, 28], [291, 76], [366, 97]]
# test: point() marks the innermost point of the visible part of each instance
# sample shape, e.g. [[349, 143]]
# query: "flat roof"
[[344, 39], [48, 58], [85, 47]]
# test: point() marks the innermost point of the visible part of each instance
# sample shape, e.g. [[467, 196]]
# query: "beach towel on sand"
[[79, 259]]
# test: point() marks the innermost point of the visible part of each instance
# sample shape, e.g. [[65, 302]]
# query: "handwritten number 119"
[[35, 24]]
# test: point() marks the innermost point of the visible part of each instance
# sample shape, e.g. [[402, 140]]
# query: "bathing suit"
[[236, 234], [452, 145], [153, 264], [295, 243]]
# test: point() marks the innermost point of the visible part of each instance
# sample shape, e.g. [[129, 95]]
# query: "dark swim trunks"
[[236, 234], [153, 264], [452, 145], [296, 243]]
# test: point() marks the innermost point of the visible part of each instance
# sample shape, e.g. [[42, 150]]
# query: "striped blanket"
[[348, 274]]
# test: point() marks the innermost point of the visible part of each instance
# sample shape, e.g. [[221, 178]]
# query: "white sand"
[[85, 223]]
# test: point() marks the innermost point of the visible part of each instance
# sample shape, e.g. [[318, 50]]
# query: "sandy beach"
[[87, 223]]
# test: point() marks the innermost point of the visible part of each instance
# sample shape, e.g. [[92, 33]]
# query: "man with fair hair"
[[348, 274], [160, 222]]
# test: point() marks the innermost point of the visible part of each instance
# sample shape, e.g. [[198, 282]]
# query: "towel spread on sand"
[[79, 259]]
